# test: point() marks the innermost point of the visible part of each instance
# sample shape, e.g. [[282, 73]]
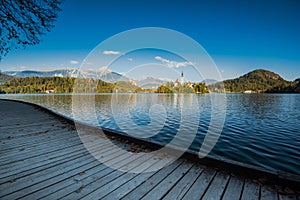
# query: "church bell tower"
[[181, 79]]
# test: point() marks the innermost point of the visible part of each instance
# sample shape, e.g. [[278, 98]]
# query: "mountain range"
[[103, 74], [257, 81], [106, 75]]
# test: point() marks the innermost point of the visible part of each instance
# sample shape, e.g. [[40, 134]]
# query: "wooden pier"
[[42, 157]]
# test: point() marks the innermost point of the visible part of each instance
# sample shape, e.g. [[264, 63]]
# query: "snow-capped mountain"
[[102, 73], [105, 75], [150, 82], [28, 73]]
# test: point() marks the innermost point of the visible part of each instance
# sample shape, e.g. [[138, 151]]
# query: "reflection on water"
[[259, 129]]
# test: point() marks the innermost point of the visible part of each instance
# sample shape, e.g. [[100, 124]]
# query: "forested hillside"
[[34, 85], [258, 81]]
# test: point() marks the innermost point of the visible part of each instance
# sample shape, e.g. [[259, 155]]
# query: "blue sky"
[[240, 36]]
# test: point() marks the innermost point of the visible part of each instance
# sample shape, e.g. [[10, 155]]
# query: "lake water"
[[259, 129]]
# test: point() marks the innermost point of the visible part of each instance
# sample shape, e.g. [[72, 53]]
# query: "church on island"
[[177, 83], [180, 86], [182, 82]]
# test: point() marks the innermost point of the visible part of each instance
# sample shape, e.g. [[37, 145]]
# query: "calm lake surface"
[[259, 129]]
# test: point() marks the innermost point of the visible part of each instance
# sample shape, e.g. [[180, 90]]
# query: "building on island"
[[249, 92], [176, 83], [181, 82], [190, 84], [182, 79], [50, 91]]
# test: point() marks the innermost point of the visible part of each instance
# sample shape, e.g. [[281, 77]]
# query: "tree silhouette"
[[22, 22]]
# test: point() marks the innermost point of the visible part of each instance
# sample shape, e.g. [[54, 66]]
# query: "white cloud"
[[173, 64], [130, 59], [74, 62], [109, 52], [23, 67]]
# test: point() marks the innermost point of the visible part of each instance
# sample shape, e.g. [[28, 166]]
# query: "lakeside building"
[[181, 82], [249, 92], [182, 79]]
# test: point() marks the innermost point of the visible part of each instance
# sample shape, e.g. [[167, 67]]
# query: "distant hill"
[[259, 80], [150, 83], [4, 77], [209, 81], [294, 87], [32, 85]]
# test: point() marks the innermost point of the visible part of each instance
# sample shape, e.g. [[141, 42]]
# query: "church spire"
[[182, 78]]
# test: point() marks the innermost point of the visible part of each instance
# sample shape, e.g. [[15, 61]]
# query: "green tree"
[[200, 88], [163, 89]]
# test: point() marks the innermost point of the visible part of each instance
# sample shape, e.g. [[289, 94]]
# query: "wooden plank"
[[68, 186], [67, 173], [26, 152], [250, 190], [76, 184], [200, 185], [19, 171], [39, 136], [123, 190], [30, 147], [179, 190], [287, 197], [19, 167], [42, 153], [36, 139], [14, 121], [26, 126], [87, 189], [23, 183], [268, 192], [124, 178], [168, 182], [234, 188], [38, 130], [37, 167], [71, 136], [17, 117], [47, 157], [62, 179], [129, 180], [25, 131], [6, 146], [217, 187], [150, 183], [72, 184]]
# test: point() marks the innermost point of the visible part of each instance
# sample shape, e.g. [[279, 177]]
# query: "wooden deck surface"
[[42, 157]]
